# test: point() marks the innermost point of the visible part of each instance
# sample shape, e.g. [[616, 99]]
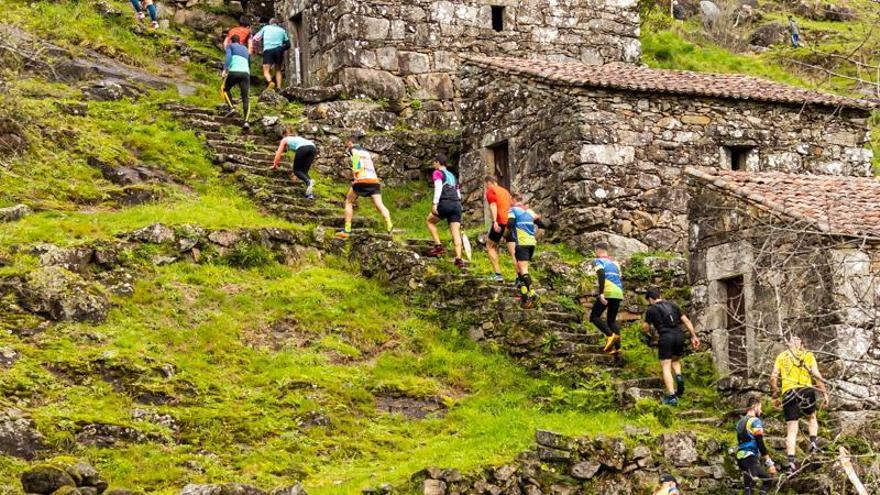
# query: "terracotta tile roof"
[[838, 205], [631, 77]]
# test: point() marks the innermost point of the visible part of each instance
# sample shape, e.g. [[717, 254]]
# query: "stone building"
[[603, 148], [773, 254], [408, 51]]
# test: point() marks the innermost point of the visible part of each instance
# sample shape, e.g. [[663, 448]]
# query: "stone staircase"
[[550, 337]]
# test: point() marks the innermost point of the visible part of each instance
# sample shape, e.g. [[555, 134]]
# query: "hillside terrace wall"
[[408, 50], [611, 160]]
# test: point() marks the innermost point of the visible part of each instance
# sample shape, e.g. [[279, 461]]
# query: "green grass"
[[669, 50], [240, 407]]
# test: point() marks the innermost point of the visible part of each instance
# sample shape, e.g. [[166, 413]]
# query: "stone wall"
[[408, 50], [604, 160], [822, 288]]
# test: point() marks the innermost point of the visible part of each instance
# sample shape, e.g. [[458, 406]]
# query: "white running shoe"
[[310, 188]]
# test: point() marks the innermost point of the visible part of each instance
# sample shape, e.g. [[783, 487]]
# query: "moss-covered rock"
[[45, 480], [63, 295]]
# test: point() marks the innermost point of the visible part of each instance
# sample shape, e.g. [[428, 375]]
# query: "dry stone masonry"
[[603, 148], [409, 50]]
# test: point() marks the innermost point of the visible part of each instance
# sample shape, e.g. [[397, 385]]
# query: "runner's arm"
[[228, 60], [820, 383], [282, 147], [438, 189], [695, 341], [774, 380], [493, 209]]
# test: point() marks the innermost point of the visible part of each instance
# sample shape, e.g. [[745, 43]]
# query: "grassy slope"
[[240, 407]]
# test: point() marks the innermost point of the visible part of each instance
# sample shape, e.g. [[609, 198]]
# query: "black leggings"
[[243, 81], [302, 162], [609, 327], [752, 473]]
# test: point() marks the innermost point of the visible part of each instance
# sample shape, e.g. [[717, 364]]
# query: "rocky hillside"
[[175, 319]]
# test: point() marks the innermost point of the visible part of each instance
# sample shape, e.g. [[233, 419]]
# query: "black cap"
[[668, 478]]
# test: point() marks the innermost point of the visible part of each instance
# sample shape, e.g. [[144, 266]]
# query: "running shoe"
[[390, 227], [669, 400], [310, 196], [141, 16], [271, 86], [609, 342], [497, 277], [792, 467], [229, 113], [343, 234], [154, 25], [459, 263], [310, 189], [245, 126], [436, 251]]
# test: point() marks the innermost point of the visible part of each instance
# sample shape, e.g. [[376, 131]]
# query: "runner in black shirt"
[[667, 318]]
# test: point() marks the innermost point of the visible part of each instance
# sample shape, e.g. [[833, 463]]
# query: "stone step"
[[295, 209], [238, 140], [202, 119], [227, 149], [248, 144], [561, 316], [584, 338], [647, 382]]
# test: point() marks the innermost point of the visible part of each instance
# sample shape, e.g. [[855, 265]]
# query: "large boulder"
[[679, 448], [63, 295], [18, 437], [709, 12], [768, 35], [622, 247], [75, 259], [110, 90], [316, 94], [371, 83], [45, 480], [13, 213], [155, 234]]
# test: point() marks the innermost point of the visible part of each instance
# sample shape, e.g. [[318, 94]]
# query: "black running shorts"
[[449, 211], [275, 56], [524, 253], [496, 237], [366, 190], [798, 402], [671, 344]]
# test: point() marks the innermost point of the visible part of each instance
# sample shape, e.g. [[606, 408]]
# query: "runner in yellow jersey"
[[365, 183], [797, 367]]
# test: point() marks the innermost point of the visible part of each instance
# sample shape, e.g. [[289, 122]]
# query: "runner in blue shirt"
[[275, 43], [304, 154], [237, 72]]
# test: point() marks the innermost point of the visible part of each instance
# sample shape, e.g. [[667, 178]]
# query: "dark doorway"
[[498, 18], [300, 50], [736, 325], [501, 163]]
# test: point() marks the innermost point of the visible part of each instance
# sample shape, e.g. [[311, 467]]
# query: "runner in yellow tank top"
[[798, 368]]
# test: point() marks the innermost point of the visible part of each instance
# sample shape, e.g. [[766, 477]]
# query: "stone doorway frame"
[[724, 262]]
